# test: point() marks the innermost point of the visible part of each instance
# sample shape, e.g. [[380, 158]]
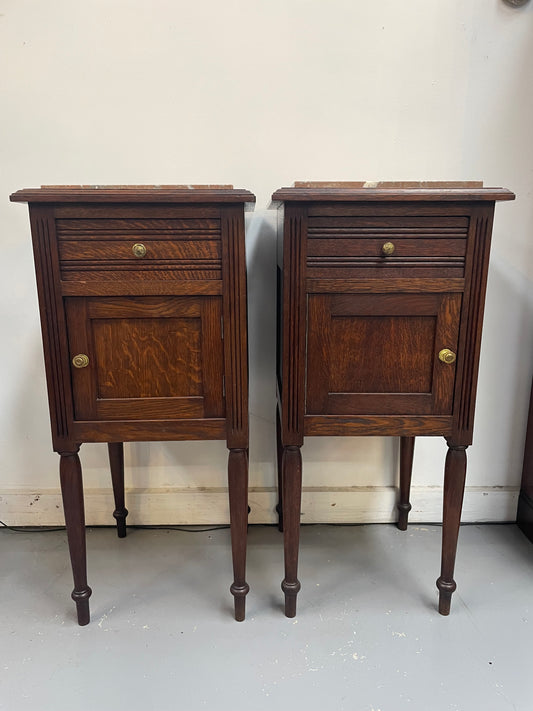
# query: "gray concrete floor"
[[367, 636]]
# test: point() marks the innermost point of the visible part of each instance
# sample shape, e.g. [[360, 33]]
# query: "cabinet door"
[[379, 353], [149, 358]]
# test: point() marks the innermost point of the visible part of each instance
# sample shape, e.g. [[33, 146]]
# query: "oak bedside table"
[[381, 293], [142, 294]]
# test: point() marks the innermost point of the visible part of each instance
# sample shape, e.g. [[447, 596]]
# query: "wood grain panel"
[[168, 273], [372, 247], [147, 357], [100, 249], [389, 224], [391, 284], [148, 408], [385, 269], [149, 431], [149, 285], [98, 226], [380, 426], [402, 354]]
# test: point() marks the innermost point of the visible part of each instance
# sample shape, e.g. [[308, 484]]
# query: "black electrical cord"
[[47, 529]]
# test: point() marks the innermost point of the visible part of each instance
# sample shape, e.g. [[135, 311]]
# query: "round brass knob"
[[388, 249], [139, 250], [447, 356], [80, 360]]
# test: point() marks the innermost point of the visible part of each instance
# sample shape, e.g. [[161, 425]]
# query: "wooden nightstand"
[[381, 296], [142, 293]]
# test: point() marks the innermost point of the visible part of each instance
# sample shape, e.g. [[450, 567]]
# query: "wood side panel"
[[53, 326], [472, 320], [294, 326], [235, 326]]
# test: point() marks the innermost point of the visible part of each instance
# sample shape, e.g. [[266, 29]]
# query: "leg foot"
[[116, 462], [238, 503], [454, 484], [291, 498], [407, 445], [72, 492], [82, 605], [239, 593], [291, 591]]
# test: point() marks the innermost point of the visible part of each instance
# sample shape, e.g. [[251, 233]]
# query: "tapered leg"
[[292, 498], [72, 492], [454, 484], [238, 505], [279, 450], [116, 462], [407, 447]]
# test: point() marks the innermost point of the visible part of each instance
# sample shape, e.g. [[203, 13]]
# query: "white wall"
[[260, 94]]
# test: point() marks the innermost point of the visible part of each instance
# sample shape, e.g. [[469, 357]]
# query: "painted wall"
[[260, 94]]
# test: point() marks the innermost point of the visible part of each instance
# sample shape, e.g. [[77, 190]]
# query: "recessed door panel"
[[379, 353], [148, 358]]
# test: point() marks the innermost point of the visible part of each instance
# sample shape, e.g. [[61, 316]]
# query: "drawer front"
[[366, 247], [96, 249]]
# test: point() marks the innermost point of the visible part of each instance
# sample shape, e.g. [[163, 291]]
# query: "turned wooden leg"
[[454, 485], [407, 447], [116, 462], [291, 498], [72, 492], [279, 450], [238, 506]]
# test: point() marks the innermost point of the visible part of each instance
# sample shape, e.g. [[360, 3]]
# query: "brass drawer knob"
[[80, 360], [388, 249], [139, 250], [447, 356]]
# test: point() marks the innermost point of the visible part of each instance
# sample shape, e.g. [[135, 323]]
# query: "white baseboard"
[[190, 506]]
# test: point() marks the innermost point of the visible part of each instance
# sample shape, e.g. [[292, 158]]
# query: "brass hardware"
[[80, 360], [388, 249], [447, 356], [139, 250]]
